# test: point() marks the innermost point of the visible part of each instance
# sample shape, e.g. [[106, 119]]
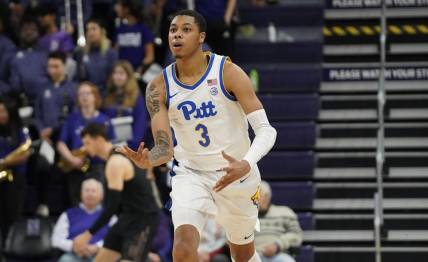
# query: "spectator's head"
[[29, 32], [126, 8], [265, 196], [46, 14], [88, 96], [92, 193], [187, 33], [56, 66], [94, 137], [122, 83], [96, 35]]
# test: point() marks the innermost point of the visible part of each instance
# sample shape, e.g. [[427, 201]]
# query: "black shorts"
[[132, 235]]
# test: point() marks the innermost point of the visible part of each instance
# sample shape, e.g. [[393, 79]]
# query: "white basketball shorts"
[[235, 207]]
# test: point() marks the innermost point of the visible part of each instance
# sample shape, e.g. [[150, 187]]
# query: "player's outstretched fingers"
[[222, 183], [126, 151], [140, 148]]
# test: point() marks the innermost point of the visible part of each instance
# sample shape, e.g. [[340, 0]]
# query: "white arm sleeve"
[[265, 136], [60, 234]]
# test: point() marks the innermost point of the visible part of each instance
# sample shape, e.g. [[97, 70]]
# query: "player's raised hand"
[[139, 157], [235, 170]]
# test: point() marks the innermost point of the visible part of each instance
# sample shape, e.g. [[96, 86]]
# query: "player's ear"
[[202, 36]]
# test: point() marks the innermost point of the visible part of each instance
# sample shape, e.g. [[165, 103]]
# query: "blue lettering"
[[211, 109], [190, 109], [186, 110]]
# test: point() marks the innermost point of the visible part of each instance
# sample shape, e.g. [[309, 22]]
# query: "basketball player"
[[129, 196], [207, 100]]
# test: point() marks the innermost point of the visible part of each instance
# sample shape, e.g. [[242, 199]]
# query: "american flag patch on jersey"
[[212, 82]]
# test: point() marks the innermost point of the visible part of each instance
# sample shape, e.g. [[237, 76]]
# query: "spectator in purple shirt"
[[53, 39], [28, 66], [134, 39], [124, 99], [56, 101], [96, 59], [88, 102], [7, 51]]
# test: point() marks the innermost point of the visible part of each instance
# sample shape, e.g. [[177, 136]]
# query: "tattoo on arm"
[[162, 146], [152, 99]]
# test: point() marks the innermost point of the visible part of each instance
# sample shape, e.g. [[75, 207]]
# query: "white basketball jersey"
[[205, 119]]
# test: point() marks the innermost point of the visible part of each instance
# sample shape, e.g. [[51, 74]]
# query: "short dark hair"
[[199, 19], [58, 55], [94, 130], [134, 7]]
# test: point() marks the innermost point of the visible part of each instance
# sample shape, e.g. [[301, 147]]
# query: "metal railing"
[[380, 149]]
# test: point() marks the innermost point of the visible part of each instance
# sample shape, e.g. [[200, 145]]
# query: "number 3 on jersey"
[[205, 141]]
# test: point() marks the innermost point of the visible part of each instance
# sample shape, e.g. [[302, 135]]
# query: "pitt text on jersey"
[[189, 109]]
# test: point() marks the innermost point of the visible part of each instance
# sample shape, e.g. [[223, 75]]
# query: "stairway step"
[[399, 159], [348, 130], [363, 235], [404, 249], [368, 204], [403, 252], [371, 114], [365, 221], [370, 143], [350, 190], [372, 86], [355, 50], [370, 173]]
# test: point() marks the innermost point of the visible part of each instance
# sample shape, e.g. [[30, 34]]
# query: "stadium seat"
[[306, 220], [29, 239], [285, 15], [306, 254], [291, 107], [279, 78], [303, 52], [296, 195], [286, 165], [295, 135]]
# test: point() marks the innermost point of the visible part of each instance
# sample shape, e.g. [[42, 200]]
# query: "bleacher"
[[318, 83], [289, 72]]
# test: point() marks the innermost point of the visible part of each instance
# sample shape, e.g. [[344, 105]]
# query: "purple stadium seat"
[[306, 220], [280, 52], [284, 15], [274, 78], [306, 254], [291, 107], [296, 195], [295, 135], [284, 165]]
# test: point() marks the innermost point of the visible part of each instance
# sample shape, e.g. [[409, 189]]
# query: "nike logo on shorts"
[[242, 180], [247, 237]]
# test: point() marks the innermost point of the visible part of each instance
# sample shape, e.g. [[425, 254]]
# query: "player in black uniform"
[[129, 196]]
